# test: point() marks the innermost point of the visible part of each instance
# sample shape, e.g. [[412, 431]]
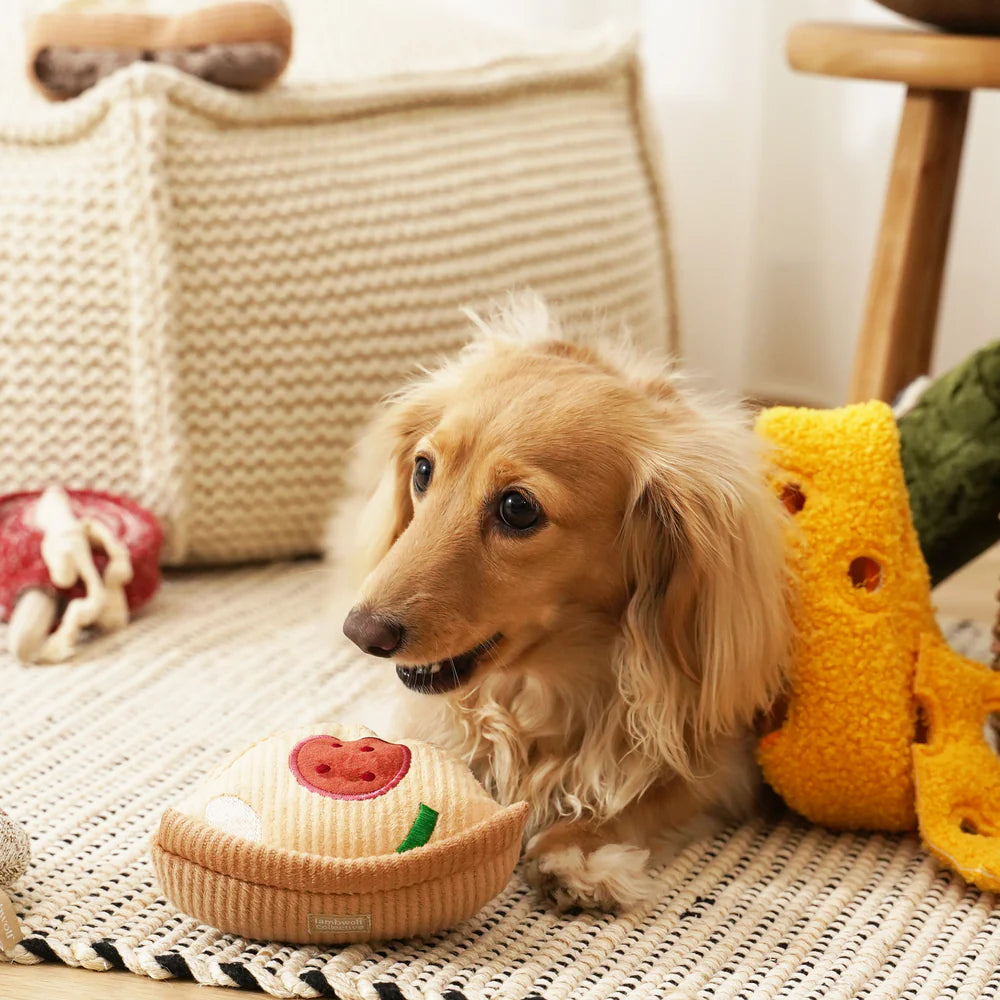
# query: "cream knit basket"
[[202, 294]]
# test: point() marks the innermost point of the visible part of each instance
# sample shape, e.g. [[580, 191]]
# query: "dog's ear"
[[706, 632], [378, 505]]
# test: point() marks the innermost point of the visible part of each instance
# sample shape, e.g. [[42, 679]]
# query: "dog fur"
[[644, 623]]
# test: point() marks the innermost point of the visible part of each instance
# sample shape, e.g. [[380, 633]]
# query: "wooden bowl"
[[969, 17]]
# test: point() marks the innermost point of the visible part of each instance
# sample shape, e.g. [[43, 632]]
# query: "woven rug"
[[91, 753]]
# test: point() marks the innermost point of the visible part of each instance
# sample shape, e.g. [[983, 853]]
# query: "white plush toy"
[[15, 854]]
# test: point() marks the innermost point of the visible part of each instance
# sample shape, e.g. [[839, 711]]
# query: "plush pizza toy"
[[69, 561], [329, 834]]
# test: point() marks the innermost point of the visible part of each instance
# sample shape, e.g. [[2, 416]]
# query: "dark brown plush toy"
[[73, 44]]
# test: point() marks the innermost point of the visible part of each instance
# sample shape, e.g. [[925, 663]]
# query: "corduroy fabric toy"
[[853, 751], [328, 834]]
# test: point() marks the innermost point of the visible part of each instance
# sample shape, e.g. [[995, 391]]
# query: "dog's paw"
[[612, 877]]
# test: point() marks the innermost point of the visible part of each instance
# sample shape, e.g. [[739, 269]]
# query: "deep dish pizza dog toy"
[[884, 724], [92, 555], [328, 834]]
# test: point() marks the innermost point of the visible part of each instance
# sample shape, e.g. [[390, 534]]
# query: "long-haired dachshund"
[[577, 568]]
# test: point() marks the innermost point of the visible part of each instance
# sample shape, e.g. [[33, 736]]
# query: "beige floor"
[[970, 593]]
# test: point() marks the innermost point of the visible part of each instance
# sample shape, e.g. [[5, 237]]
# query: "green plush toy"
[[950, 448]]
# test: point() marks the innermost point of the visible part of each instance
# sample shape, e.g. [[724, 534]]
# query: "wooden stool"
[[939, 70]]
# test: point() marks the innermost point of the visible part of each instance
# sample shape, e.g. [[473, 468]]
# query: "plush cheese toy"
[[884, 724], [328, 834]]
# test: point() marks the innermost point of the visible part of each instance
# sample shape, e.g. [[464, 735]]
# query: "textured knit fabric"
[[843, 755], [776, 907], [206, 292]]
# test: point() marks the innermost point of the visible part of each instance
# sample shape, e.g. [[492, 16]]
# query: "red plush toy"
[[72, 560]]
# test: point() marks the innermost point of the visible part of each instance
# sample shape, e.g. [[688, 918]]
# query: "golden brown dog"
[[577, 568]]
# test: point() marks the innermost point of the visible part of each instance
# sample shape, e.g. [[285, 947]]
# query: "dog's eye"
[[422, 471], [518, 511]]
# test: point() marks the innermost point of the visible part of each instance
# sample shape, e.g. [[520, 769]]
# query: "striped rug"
[[90, 754]]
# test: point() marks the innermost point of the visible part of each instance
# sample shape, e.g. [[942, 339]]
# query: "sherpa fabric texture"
[[302, 837], [844, 753], [776, 907], [206, 292], [15, 850], [957, 772]]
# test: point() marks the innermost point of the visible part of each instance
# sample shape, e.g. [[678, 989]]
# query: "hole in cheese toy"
[[328, 834]]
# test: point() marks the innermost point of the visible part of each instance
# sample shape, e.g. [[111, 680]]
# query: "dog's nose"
[[373, 633]]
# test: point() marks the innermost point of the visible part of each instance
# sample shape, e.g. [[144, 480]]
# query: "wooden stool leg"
[[897, 334]]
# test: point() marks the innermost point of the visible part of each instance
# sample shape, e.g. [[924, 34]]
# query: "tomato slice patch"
[[348, 769]]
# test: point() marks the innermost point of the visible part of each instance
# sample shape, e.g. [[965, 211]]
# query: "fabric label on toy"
[[10, 927], [337, 923]]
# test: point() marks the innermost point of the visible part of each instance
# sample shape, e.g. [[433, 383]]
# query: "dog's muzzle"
[[445, 675]]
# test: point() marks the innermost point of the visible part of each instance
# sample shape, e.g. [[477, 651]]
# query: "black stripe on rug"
[[240, 974], [106, 949], [39, 947], [175, 964], [316, 979], [389, 991]]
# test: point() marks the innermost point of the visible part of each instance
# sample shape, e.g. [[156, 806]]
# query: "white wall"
[[705, 94], [777, 182]]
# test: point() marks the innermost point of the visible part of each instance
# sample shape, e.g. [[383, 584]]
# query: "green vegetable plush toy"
[[949, 444]]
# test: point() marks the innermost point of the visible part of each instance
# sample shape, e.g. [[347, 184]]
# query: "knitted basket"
[[337, 836], [204, 292]]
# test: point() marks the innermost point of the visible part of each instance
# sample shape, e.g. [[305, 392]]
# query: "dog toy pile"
[[884, 724], [70, 561], [15, 854], [331, 835], [73, 44]]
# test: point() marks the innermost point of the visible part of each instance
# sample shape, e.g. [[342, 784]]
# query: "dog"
[[577, 567]]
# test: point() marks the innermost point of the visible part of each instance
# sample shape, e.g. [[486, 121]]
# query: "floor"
[[971, 593]]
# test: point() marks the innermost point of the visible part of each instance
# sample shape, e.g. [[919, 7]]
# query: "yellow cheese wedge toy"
[[882, 727]]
